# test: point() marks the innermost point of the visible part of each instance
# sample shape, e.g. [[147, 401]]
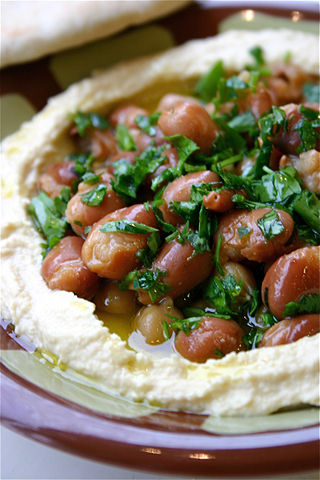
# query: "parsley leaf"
[[206, 87], [148, 280], [311, 92], [126, 226], [306, 304], [278, 186], [257, 54], [83, 121], [185, 324], [307, 205], [48, 216], [124, 139], [222, 293], [82, 163], [147, 255], [243, 231], [243, 123], [94, 197], [270, 225], [146, 123]]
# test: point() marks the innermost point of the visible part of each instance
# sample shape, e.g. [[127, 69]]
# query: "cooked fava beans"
[[183, 270], [205, 209], [253, 245], [179, 191], [57, 176], [149, 321], [214, 338], [113, 255], [290, 278], [290, 330], [63, 269], [190, 120], [81, 215]]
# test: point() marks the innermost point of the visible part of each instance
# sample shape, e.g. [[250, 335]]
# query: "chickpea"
[[191, 120], [112, 300], [291, 277], [63, 269], [308, 167], [80, 215], [148, 320], [180, 189], [57, 176], [252, 246], [126, 115], [113, 255], [170, 100], [241, 273], [183, 272], [213, 338], [290, 330]]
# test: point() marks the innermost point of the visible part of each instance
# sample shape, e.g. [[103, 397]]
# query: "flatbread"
[[32, 29]]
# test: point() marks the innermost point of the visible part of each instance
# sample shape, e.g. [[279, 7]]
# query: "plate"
[[64, 409]]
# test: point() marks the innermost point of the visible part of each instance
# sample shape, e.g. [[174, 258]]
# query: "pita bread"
[[32, 29]]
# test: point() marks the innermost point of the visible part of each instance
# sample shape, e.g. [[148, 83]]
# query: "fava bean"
[[63, 269], [191, 120], [291, 277], [180, 189], [290, 330], [56, 177], [214, 338], [113, 255], [252, 245], [126, 115], [183, 271], [81, 215]]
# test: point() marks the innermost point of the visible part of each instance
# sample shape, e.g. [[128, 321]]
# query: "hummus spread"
[[252, 382]]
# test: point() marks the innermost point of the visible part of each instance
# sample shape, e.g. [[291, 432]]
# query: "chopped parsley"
[[148, 280], [124, 139], [270, 225], [147, 123], [83, 121], [48, 217], [126, 226], [94, 197], [311, 92], [306, 304]]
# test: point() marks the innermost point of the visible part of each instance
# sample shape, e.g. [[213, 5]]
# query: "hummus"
[[253, 382]]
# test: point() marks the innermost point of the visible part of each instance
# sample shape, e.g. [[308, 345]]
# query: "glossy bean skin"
[[101, 143], [56, 177], [219, 201], [252, 246], [148, 320], [288, 141], [191, 120], [112, 300], [126, 115], [113, 255], [213, 335], [180, 189], [183, 272], [258, 102], [170, 100], [86, 215], [291, 277], [63, 269], [286, 83], [290, 330]]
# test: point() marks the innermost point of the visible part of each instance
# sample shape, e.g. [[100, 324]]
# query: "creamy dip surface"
[[253, 382]]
